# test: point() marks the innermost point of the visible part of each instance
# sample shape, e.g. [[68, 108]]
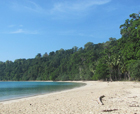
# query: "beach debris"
[[110, 110], [134, 102], [133, 105], [132, 97], [100, 99]]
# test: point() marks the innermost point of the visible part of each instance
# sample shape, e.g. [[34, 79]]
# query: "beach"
[[95, 98]]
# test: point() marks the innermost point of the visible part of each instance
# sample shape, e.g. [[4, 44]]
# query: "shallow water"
[[15, 90]]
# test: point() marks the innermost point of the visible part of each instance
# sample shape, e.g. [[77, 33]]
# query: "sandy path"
[[120, 98]]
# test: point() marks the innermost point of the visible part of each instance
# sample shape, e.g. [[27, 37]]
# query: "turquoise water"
[[15, 90]]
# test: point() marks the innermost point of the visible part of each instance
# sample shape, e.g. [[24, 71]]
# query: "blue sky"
[[29, 27]]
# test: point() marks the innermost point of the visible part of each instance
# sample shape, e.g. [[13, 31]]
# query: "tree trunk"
[[115, 75], [125, 75], [80, 69], [129, 76], [110, 78], [119, 74]]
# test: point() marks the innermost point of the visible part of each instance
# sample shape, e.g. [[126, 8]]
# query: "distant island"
[[113, 60]]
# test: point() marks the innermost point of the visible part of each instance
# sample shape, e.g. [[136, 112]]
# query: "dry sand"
[[120, 98]]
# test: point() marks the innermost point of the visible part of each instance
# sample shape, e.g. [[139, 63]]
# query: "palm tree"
[[113, 64], [108, 61]]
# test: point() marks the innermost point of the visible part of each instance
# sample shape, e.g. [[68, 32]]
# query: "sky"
[[29, 27]]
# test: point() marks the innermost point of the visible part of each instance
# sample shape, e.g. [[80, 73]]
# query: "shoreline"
[[43, 94], [120, 97], [49, 93]]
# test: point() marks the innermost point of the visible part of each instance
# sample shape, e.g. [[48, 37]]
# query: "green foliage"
[[72, 64], [38, 56], [101, 72], [114, 59], [134, 68], [89, 45]]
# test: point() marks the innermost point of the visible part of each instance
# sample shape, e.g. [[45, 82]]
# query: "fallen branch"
[[134, 105], [132, 97], [110, 110], [100, 99]]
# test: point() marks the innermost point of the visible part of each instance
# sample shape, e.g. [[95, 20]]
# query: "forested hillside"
[[114, 60]]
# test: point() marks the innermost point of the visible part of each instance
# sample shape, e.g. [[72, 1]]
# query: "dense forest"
[[112, 60]]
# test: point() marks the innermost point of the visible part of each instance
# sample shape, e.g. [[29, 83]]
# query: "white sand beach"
[[120, 98]]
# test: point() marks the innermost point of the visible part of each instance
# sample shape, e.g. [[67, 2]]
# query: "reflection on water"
[[14, 90]]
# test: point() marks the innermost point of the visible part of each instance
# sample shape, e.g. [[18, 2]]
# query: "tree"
[[89, 45], [80, 49], [38, 56], [45, 55], [75, 49], [1, 62], [61, 51], [51, 53], [101, 72], [117, 59], [134, 68]]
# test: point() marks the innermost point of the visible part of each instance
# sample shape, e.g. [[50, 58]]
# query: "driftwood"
[[132, 97], [100, 99], [134, 105], [110, 110]]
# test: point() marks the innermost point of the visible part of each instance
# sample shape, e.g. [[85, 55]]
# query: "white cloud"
[[17, 31], [27, 6], [77, 5], [60, 9], [63, 6], [32, 6], [21, 25], [10, 26], [23, 31]]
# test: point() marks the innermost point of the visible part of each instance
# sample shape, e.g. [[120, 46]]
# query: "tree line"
[[112, 60]]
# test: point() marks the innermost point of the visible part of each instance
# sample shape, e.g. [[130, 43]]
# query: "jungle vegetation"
[[111, 60]]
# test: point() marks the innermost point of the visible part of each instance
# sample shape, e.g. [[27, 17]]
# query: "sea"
[[18, 89]]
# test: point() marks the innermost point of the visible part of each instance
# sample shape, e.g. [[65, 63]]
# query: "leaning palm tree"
[[113, 64], [109, 63], [123, 68]]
